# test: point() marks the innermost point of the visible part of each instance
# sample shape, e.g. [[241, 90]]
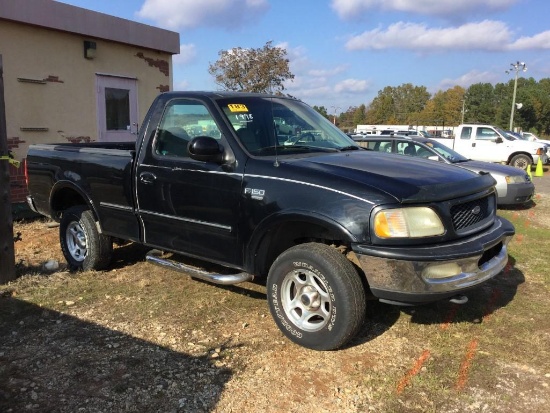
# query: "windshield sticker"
[[237, 107]]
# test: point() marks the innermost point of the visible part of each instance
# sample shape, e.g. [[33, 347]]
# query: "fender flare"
[[276, 219], [66, 184]]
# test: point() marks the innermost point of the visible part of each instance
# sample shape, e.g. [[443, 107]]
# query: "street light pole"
[[516, 67], [335, 110]]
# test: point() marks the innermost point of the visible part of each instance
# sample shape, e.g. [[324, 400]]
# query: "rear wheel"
[[316, 296], [83, 246], [521, 161]]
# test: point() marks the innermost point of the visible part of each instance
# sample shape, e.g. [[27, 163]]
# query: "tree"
[[399, 105], [481, 103], [322, 110], [360, 115], [444, 108], [261, 70]]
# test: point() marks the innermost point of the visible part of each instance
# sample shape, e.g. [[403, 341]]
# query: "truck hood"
[[492, 168], [528, 146], [405, 178]]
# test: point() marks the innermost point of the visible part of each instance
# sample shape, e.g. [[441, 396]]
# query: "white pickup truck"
[[491, 144]]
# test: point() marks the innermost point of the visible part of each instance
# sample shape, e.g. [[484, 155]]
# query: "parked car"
[[514, 186], [523, 137]]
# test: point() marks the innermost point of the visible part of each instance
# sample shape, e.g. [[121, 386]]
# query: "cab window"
[[182, 121]]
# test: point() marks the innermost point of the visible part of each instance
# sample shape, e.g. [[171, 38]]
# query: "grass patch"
[[491, 354]]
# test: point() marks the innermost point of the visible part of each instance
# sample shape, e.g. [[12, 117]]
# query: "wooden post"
[[7, 249]]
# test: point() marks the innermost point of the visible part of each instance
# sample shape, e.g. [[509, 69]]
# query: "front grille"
[[471, 213]]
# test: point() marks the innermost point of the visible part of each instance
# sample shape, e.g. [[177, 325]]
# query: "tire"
[[521, 161], [83, 246], [316, 296]]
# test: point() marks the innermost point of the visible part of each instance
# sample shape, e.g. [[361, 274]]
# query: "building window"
[[117, 107]]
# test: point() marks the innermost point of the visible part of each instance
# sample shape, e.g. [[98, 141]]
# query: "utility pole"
[[516, 67], [7, 249]]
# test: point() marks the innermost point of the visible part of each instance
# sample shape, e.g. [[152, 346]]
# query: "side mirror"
[[205, 149], [498, 140]]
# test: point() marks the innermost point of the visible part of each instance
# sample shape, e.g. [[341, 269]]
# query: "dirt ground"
[[139, 338]]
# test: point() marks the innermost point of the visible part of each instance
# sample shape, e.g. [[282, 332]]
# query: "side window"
[[466, 132], [385, 147], [182, 121], [406, 148], [422, 152], [485, 133]]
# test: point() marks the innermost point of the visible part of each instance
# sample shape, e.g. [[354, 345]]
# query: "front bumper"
[[517, 194], [423, 274]]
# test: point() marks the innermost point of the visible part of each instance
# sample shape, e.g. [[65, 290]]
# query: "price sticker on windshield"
[[237, 107]]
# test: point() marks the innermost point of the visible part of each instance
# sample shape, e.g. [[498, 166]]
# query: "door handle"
[[147, 177]]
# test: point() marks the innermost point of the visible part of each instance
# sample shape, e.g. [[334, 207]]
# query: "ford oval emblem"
[[476, 210]]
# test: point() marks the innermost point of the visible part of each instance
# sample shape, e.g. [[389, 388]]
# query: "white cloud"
[[182, 85], [468, 79], [352, 86], [350, 9], [187, 54], [186, 14], [328, 72], [540, 41], [486, 35]]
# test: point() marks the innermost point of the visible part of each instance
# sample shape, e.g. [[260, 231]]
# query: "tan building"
[[74, 75]]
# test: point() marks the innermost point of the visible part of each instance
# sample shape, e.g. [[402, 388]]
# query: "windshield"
[[270, 125], [446, 152], [505, 135]]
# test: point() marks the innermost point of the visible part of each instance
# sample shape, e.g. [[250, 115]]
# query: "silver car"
[[514, 186]]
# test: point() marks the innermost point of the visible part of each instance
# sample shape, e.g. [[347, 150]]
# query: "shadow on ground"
[[52, 362], [482, 301]]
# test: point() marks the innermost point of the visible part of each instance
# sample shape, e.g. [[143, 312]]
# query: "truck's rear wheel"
[[521, 161], [316, 296], [83, 246]]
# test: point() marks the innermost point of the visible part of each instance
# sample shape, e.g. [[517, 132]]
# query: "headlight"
[[516, 179], [414, 222]]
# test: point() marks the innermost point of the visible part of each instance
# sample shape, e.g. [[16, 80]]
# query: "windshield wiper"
[[289, 148], [349, 148]]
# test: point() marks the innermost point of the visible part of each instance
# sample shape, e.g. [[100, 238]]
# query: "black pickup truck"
[[265, 187]]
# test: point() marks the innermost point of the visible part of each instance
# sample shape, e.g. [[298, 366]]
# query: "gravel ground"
[[133, 339]]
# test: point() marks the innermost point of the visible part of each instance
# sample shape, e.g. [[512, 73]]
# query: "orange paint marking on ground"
[[465, 366], [519, 238], [413, 372], [527, 223], [450, 317]]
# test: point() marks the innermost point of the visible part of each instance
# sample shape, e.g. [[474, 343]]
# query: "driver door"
[[186, 205]]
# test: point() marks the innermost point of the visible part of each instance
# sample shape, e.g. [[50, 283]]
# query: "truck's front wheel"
[[521, 161], [83, 246], [316, 296]]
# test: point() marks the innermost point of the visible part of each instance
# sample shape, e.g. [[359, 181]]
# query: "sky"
[[343, 52]]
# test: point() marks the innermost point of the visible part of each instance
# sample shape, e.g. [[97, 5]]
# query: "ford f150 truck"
[[491, 144], [326, 223]]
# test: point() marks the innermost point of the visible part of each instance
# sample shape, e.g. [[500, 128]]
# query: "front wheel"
[[316, 296], [521, 161], [83, 246]]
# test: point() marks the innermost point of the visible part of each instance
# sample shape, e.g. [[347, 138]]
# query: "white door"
[[117, 108]]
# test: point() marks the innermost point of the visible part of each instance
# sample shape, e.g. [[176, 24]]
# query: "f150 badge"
[[255, 193]]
